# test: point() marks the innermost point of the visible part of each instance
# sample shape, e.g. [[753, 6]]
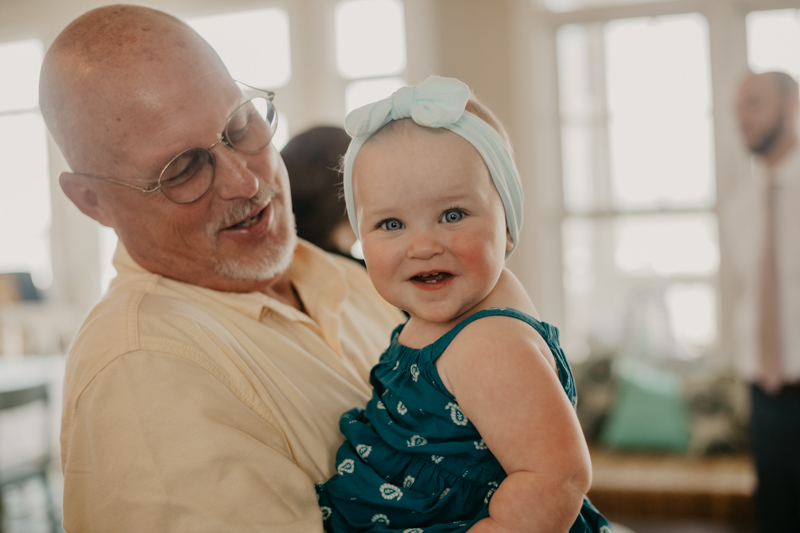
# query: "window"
[[370, 49], [25, 203], [773, 38], [362, 92], [254, 45], [640, 245]]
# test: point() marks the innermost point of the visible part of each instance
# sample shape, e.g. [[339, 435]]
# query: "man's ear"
[[82, 193]]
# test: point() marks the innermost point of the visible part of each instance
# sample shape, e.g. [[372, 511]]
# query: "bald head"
[[111, 76], [767, 106]]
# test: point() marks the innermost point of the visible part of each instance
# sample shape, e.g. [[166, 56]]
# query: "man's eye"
[[242, 122], [237, 130], [392, 224], [454, 215], [184, 168]]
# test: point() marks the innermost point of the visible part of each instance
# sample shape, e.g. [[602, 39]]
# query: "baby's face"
[[432, 224]]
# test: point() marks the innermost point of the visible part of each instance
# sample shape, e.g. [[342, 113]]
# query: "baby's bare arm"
[[507, 388]]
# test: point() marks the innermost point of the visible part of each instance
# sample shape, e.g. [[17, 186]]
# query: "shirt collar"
[[318, 278]]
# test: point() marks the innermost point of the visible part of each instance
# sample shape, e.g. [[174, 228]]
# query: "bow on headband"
[[438, 103]]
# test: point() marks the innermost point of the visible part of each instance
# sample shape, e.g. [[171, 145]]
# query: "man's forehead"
[[120, 73], [760, 86]]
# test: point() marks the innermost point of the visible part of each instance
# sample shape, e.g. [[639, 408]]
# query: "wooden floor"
[[660, 493], [678, 526]]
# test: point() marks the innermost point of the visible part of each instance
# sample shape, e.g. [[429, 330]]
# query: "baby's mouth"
[[434, 277]]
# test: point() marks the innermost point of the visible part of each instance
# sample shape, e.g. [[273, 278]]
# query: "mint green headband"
[[438, 103]]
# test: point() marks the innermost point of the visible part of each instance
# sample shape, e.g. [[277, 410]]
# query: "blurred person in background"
[[312, 160], [764, 216]]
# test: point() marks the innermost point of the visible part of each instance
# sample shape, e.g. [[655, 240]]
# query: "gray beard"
[[266, 269], [770, 139]]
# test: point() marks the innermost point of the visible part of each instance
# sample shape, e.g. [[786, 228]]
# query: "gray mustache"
[[239, 212]]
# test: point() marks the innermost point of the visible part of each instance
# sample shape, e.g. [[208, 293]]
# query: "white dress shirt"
[[744, 220]]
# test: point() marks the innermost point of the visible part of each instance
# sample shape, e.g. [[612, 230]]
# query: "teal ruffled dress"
[[411, 461]]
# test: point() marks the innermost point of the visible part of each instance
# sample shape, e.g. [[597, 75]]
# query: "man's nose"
[[423, 245], [233, 178]]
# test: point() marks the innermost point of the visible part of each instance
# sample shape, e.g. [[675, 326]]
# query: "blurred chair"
[[17, 286], [20, 472]]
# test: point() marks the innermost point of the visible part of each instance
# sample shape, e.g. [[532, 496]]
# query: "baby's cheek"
[[380, 271], [477, 251]]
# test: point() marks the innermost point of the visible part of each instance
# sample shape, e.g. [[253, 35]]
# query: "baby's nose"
[[424, 245]]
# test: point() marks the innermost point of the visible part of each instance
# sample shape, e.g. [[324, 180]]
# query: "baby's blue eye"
[[392, 224], [454, 215]]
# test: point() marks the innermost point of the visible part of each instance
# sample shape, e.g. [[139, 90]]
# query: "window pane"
[[25, 202], [594, 290], [666, 245], [19, 85], [581, 121], [659, 100], [641, 286], [574, 72], [254, 45], [370, 38], [577, 167], [692, 309], [773, 39], [360, 93]]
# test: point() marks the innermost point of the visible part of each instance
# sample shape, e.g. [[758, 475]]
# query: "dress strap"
[[441, 344]]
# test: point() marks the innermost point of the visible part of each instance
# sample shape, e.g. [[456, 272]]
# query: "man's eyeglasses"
[[189, 175]]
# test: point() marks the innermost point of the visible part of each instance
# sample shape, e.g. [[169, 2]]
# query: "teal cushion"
[[648, 412]]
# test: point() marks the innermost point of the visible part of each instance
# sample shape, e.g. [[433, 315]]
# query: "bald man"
[[764, 219], [203, 393]]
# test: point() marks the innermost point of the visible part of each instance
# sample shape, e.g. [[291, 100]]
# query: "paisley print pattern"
[[421, 466]]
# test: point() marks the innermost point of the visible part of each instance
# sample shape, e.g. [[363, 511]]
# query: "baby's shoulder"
[[508, 332], [498, 326], [502, 340]]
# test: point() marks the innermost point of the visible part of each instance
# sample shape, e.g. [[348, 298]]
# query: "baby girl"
[[471, 426]]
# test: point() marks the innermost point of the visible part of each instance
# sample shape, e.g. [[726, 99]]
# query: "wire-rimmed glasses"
[[189, 175]]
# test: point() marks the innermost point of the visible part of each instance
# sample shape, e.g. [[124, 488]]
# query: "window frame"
[[728, 62]]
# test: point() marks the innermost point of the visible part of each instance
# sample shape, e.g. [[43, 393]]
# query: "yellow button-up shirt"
[[189, 409]]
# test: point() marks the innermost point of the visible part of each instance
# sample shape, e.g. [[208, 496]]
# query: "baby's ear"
[[509, 241]]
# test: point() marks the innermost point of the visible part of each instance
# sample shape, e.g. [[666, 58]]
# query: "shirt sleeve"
[[160, 444]]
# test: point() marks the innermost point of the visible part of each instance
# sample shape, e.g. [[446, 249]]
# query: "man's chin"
[[265, 269]]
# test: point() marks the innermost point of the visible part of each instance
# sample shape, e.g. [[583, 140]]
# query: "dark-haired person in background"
[[312, 161]]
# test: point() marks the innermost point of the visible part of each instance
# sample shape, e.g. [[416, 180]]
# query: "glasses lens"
[[252, 125], [187, 177]]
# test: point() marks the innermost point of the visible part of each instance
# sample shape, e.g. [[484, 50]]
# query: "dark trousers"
[[775, 435]]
